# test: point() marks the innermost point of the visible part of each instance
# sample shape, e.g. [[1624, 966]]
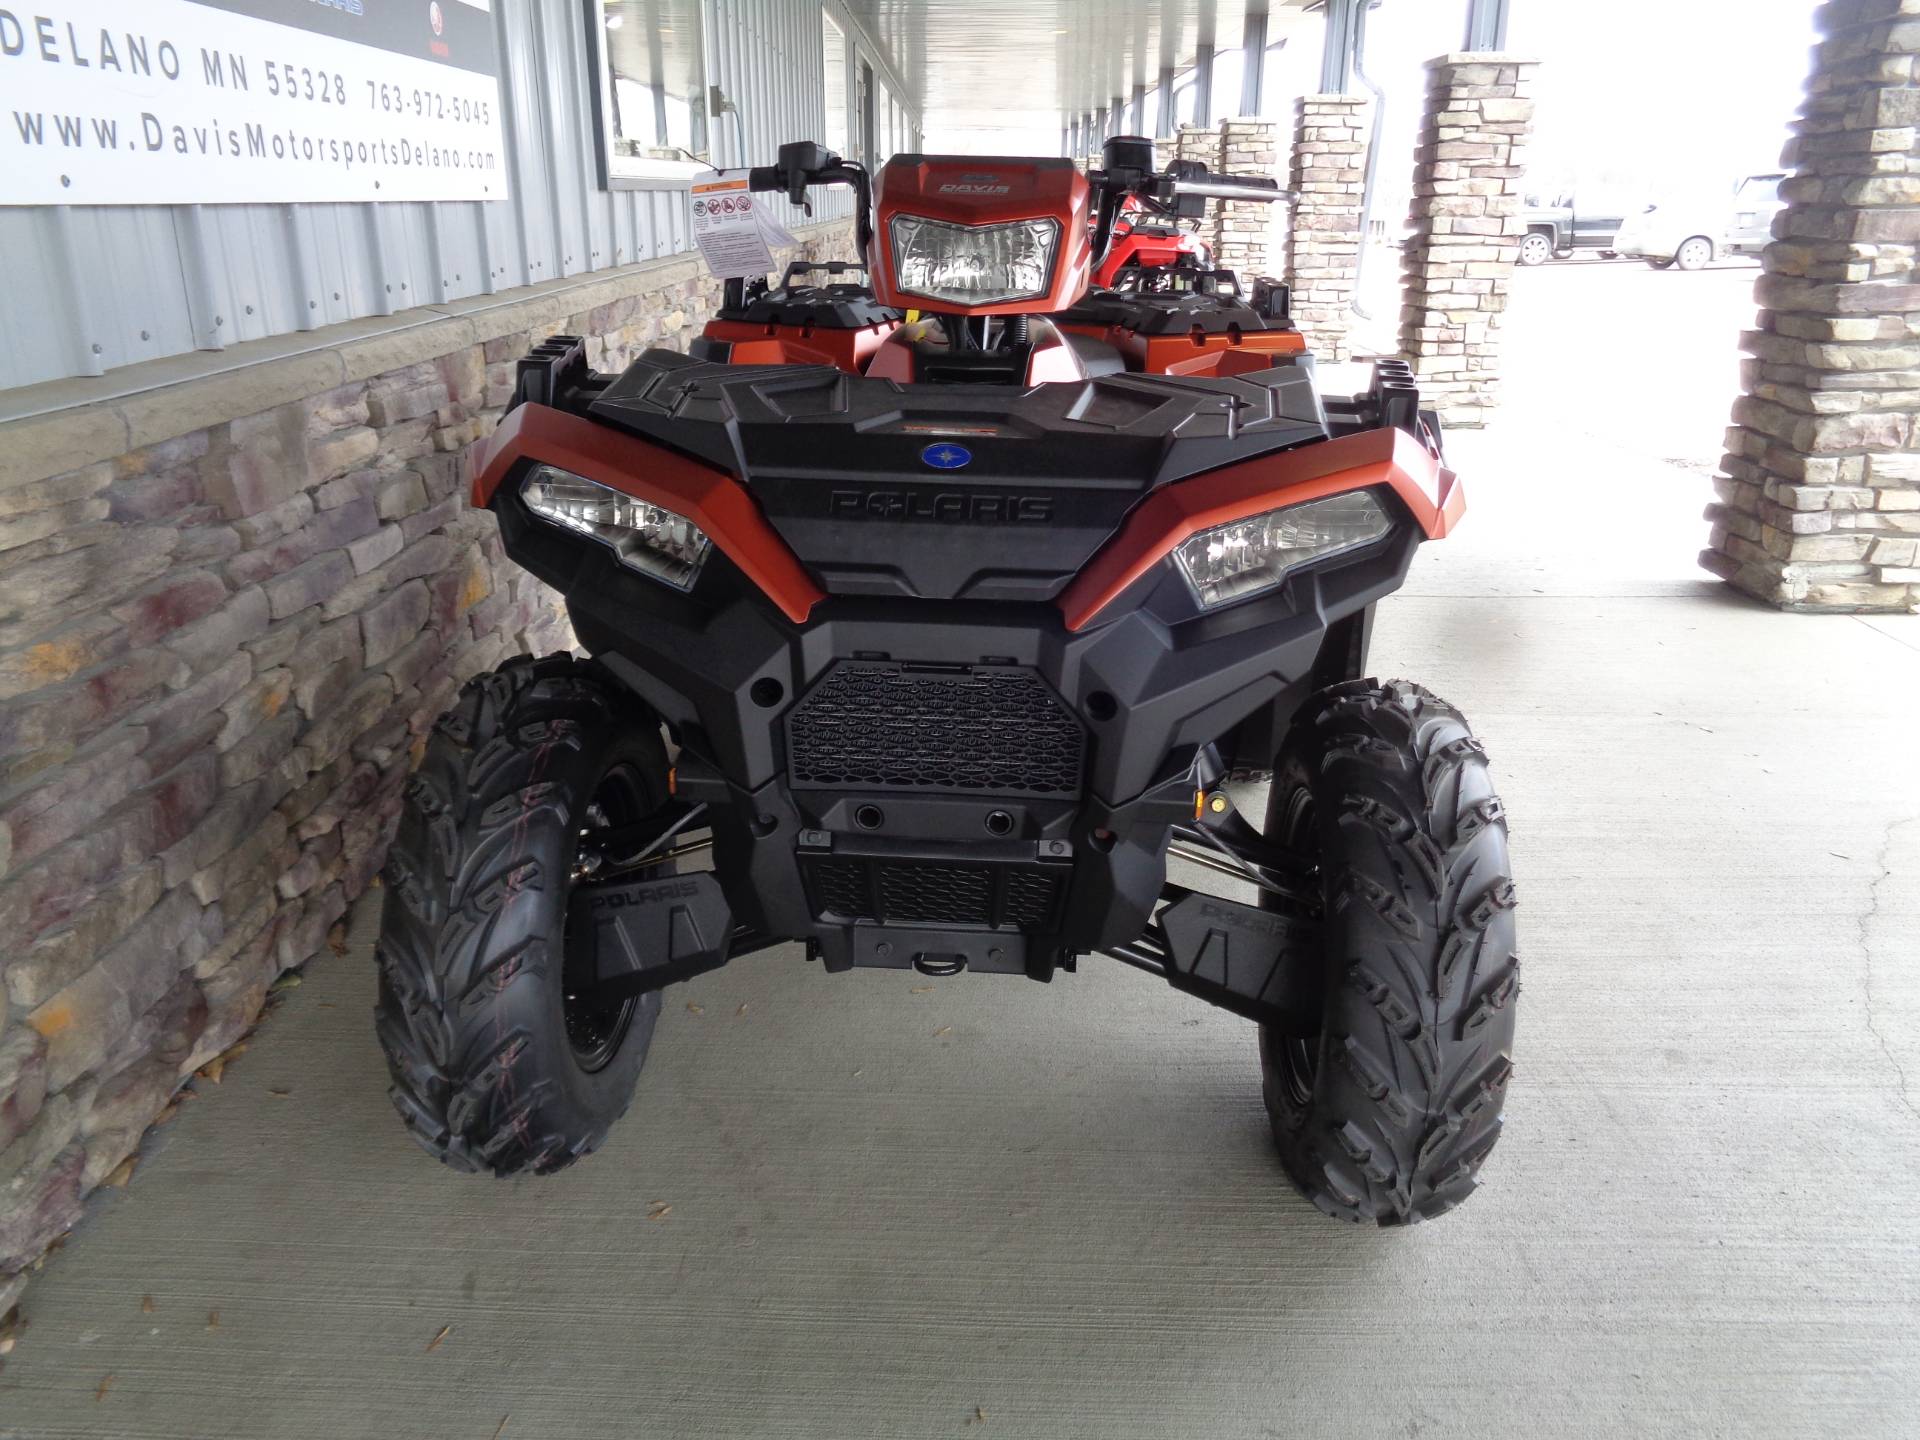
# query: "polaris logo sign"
[[940, 507]]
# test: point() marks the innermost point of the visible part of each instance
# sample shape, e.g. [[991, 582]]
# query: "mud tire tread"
[[1422, 974], [468, 1011]]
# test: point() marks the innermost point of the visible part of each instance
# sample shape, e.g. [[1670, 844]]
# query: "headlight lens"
[[656, 542], [973, 264], [1232, 562]]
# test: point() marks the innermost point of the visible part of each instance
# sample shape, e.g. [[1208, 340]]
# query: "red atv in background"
[[934, 638], [1144, 240], [1155, 235]]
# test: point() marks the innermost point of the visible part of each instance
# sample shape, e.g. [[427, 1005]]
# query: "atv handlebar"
[[803, 164], [1181, 190], [1232, 187]]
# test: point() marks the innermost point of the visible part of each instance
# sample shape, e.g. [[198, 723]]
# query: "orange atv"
[[929, 617]]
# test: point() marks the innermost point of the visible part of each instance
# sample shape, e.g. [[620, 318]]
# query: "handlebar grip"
[[766, 177], [1233, 187]]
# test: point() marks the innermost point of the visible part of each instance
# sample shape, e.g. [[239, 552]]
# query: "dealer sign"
[[165, 102]]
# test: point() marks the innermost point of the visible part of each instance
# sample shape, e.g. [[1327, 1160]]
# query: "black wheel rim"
[[596, 1022], [1297, 1057]]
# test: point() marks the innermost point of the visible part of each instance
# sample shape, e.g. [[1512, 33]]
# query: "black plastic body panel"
[[1013, 848], [1152, 684], [839, 463]]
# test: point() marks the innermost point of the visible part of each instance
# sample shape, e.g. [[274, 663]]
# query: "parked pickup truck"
[[1560, 225]]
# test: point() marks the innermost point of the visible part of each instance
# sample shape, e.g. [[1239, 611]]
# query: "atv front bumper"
[[945, 781]]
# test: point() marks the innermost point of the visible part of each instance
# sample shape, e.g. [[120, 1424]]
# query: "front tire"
[[502, 1055], [1535, 248], [1387, 1112]]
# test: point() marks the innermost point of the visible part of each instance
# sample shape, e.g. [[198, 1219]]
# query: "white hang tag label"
[[728, 227]]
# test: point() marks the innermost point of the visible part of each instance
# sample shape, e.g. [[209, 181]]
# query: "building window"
[[1229, 74], [882, 123], [833, 45], [652, 98]]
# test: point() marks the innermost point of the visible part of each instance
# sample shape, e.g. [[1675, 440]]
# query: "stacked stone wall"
[[1329, 159], [1819, 502], [1466, 229], [1252, 237], [1194, 142], [229, 611]]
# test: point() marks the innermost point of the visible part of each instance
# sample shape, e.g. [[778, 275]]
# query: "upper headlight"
[[647, 538], [973, 264], [1232, 562]]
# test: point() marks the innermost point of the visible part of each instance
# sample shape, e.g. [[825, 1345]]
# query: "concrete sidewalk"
[[1057, 1208]]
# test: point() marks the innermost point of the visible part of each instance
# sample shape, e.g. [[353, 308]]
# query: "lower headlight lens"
[[1232, 562], [647, 538], [973, 264]]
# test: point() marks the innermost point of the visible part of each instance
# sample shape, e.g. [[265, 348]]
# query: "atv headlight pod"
[[647, 538], [973, 264], [1246, 557]]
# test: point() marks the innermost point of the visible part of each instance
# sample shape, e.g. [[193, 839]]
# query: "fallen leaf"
[[280, 1092], [6, 1345], [943, 1030], [923, 989], [214, 1069], [146, 1304], [328, 1005], [106, 1384], [741, 1011], [336, 940], [292, 980], [173, 1109], [694, 1009], [659, 1210], [120, 1174], [858, 1073], [979, 1416], [434, 1343], [503, 1425], [213, 1319]]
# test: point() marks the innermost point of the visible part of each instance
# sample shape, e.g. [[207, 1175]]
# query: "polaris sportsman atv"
[[936, 611]]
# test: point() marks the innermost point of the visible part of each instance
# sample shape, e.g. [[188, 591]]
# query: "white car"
[[1688, 234]]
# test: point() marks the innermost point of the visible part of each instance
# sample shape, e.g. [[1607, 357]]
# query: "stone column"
[[1820, 501], [1246, 246], [1194, 143], [1329, 156], [1466, 229]]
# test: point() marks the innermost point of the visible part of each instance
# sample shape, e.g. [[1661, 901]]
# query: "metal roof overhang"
[[1020, 69]]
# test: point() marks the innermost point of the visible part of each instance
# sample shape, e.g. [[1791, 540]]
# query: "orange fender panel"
[[1174, 513], [847, 350], [719, 504]]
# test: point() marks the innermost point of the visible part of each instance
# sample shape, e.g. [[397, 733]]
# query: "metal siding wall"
[[93, 288]]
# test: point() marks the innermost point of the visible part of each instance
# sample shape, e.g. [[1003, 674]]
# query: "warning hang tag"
[[732, 228]]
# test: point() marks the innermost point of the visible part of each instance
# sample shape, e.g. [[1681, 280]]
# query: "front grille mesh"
[[909, 892], [975, 729]]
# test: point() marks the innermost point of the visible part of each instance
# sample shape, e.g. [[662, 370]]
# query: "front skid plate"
[[1262, 964], [647, 934]]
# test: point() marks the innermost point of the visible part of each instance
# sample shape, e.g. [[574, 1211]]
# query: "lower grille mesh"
[[907, 892], [979, 729]]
